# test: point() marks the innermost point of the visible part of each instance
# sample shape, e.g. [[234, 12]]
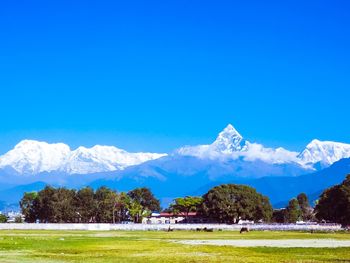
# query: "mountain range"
[[185, 171]]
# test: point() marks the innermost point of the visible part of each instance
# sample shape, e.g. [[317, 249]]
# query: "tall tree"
[[3, 218], [29, 206], [279, 216], [293, 211], [306, 209], [264, 209], [64, 204], [334, 204], [229, 203], [186, 205], [143, 201], [145, 197], [105, 204], [121, 208], [46, 205], [136, 211], [85, 205]]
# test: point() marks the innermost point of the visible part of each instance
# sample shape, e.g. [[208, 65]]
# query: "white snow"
[[325, 152], [104, 158], [230, 144], [33, 157]]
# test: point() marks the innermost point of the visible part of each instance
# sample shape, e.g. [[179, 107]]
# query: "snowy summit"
[[231, 144], [34, 157]]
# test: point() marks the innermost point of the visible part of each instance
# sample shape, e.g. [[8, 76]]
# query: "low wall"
[[164, 227]]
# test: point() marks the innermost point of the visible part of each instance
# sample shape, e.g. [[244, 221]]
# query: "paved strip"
[[287, 243]]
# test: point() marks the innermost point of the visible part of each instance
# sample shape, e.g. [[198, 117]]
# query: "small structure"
[[13, 216], [170, 218]]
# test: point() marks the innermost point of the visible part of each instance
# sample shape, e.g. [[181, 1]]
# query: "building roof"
[[190, 214]]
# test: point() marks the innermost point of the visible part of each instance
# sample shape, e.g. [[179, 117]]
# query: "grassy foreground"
[[117, 246]]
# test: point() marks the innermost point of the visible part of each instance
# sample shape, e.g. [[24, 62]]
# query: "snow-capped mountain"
[[104, 158], [231, 145], [190, 170], [34, 157], [324, 152], [229, 141], [228, 150]]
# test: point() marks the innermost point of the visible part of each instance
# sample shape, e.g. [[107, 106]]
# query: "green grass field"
[[151, 246]]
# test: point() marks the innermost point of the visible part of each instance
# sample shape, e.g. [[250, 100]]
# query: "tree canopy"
[[293, 211], [62, 205], [305, 207], [334, 204], [142, 203], [228, 203], [185, 205]]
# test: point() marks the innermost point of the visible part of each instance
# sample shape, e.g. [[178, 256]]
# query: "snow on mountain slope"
[[231, 145], [229, 141], [33, 157], [324, 152], [104, 158]]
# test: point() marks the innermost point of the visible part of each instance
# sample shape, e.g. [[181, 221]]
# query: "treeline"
[[298, 209], [62, 205], [334, 204], [227, 203]]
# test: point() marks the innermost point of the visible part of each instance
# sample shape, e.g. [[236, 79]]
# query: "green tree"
[[279, 216], [264, 209], [143, 201], [85, 205], [136, 211], [64, 206], [29, 206], [3, 218], [306, 209], [145, 197], [121, 208], [46, 205], [229, 203], [293, 211], [106, 200], [186, 205], [334, 204]]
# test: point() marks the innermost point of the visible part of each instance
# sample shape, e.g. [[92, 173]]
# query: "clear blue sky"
[[155, 75]]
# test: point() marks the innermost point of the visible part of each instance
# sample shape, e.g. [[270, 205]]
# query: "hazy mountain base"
[[193, 179], [278, 188]]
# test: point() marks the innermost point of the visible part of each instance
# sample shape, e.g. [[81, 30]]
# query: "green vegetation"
[[186, 205], [152, 246], [334, 204], [143, 203], [225, 204], [61, 205], [293, 211], [3, 218], [229, 203], [306, 209], [298, 209]]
